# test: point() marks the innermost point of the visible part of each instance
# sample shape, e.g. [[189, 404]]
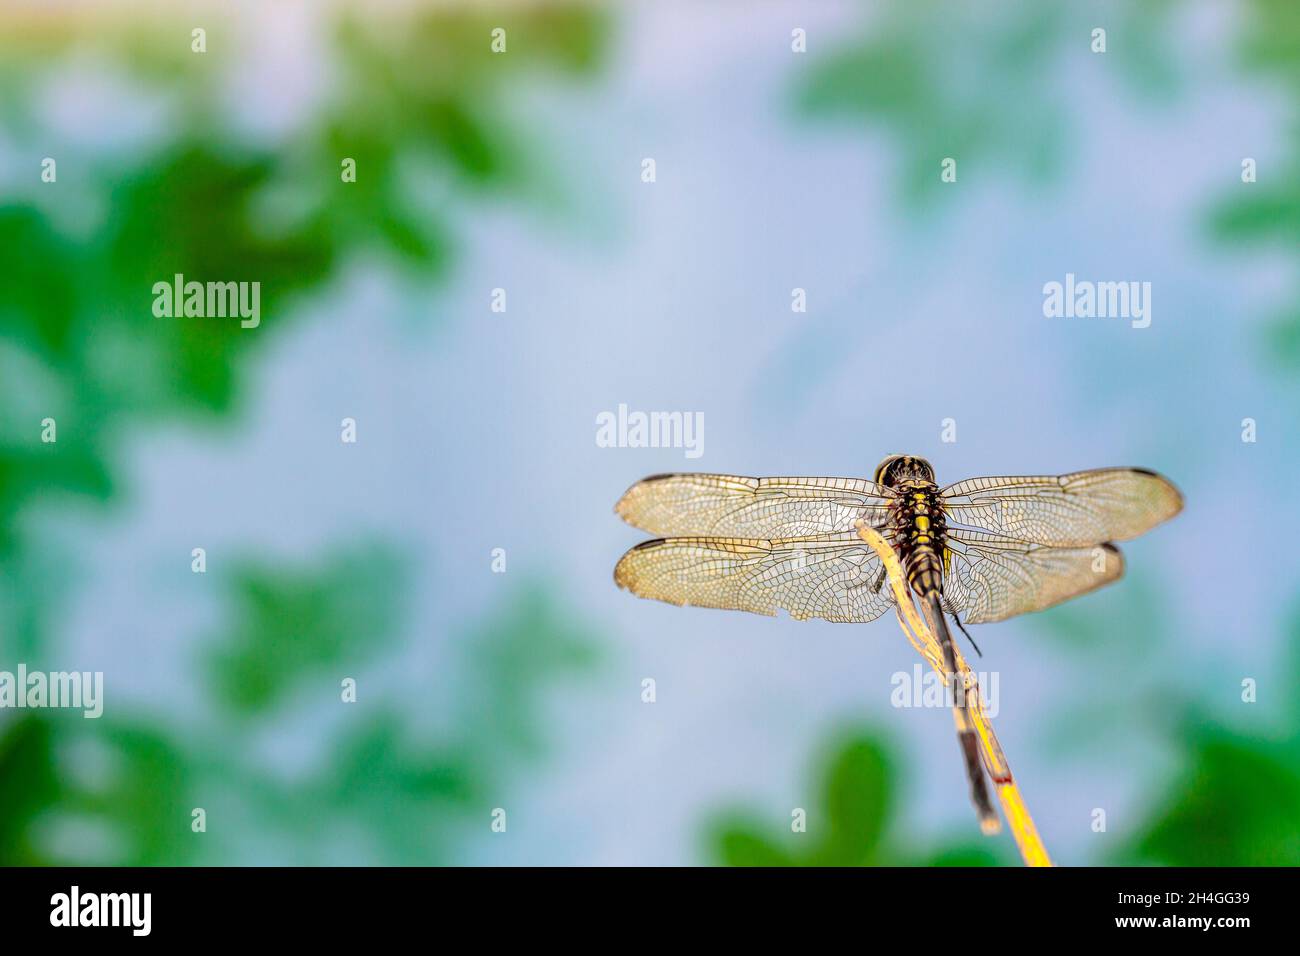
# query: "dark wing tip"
[[624, 503], [1177, 492], [1119, 557], [1174, 504], [621, 569]]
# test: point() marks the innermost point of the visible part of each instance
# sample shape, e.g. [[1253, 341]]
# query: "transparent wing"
[[832, 576], [1069, 511], [732, 506], [991, 577]]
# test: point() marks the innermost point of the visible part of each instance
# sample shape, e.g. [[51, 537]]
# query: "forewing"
[[1075, 510], [833, 576], [732, 506], [991, 577]]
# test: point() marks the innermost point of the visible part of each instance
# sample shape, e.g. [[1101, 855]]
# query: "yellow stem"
[[921, 637]]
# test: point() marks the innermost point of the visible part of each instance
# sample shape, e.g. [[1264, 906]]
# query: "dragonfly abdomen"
[[921, 534], [925, 571]]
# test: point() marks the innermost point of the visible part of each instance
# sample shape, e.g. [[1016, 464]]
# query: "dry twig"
[[921, 636]]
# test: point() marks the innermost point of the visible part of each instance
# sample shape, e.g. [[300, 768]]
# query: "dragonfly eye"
[[898, 468], [883, 474]]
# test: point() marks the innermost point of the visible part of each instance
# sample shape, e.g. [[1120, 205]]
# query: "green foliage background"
[[414, 91], [420, 92]]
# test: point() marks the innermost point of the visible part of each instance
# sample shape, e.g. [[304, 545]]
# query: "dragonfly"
[[978, 551]]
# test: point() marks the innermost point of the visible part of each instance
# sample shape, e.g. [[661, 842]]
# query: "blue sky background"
[[477, 430]]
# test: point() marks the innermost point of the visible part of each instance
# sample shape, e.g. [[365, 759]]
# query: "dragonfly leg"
[[967, 633], [880, 582]]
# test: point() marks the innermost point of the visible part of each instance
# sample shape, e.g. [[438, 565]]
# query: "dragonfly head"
[[899, 468]]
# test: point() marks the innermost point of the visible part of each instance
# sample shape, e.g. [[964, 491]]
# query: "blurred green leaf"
[[1282, 343], [859, 801], [420, 102], [1236, 800], [741, 843], [528, 639], [1268, 211], [856, 826], [26, 756], [1267, 214], [292, 624], [131, 787], [1237, 804], [949, 80]]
